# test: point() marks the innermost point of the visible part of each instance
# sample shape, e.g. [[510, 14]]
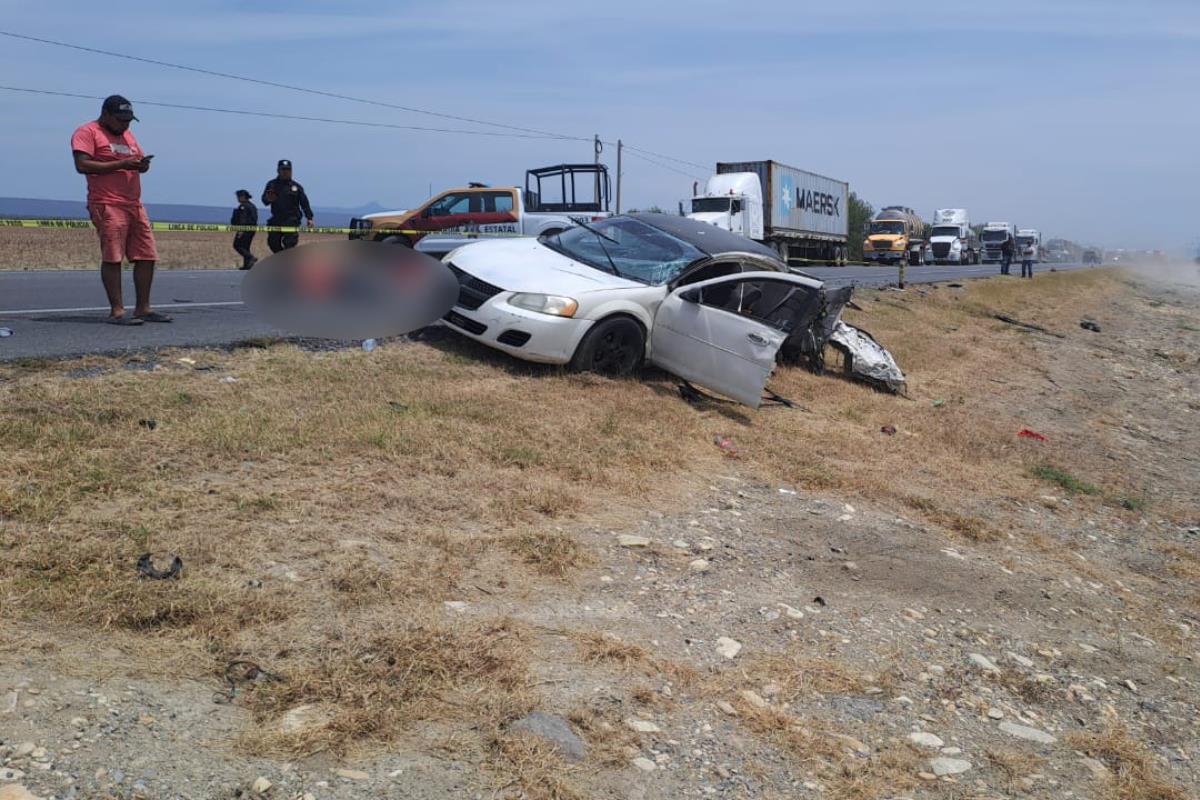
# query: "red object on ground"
[[1025, 433], [890, 430], [728, 448]]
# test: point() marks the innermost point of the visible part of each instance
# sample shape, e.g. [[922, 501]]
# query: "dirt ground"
[[391, 560], [48, 248]]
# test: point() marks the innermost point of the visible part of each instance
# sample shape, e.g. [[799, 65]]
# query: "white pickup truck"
[[554, 199]]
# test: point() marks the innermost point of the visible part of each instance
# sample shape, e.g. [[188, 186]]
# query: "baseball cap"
[[119, 107], [283, 164]]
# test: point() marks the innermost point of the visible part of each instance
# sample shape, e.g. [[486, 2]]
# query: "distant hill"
[[34, 208]]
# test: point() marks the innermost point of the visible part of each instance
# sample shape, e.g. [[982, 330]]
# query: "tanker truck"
[[896, 234]]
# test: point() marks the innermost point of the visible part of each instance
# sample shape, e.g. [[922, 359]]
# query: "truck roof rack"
[[569, 167], [477, 185]]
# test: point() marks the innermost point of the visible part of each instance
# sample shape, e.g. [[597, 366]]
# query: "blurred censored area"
[[349, 290]]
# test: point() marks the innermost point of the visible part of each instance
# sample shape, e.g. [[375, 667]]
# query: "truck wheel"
[[398, 238], [614, 346]]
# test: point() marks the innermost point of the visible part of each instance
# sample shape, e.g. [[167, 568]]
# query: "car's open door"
[[723, 334]]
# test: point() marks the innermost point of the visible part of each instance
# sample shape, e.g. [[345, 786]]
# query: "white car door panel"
[[715, 348]]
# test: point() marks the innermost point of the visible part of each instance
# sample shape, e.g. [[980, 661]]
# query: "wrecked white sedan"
[[707, 305]]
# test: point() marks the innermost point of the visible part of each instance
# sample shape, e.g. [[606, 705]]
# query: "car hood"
[[526, 265], [385, 214]]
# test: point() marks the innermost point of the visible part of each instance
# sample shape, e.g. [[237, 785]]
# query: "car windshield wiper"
[[600, 236]]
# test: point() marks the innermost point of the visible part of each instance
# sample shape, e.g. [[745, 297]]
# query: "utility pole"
[[597, 147], [620, 147]]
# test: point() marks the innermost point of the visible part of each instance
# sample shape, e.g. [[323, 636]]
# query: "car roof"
[[706, 238]]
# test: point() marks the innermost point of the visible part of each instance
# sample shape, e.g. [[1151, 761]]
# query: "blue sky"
[[1077, 117]]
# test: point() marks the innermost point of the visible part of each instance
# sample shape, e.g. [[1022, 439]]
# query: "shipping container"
[[798, 204]]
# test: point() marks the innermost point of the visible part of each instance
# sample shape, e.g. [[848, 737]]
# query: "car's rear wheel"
[[614, 346]]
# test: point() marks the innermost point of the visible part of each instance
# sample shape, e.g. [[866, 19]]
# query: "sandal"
[[123, 321], [154, 316]]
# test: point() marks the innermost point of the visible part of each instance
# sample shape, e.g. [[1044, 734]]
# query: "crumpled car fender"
[[866, 359]]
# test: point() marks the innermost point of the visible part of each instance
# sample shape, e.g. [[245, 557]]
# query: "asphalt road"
[[60, 314]]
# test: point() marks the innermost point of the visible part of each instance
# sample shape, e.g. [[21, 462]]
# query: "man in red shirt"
[[107, 153]]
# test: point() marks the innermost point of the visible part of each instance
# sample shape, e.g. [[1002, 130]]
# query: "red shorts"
[[124, 233]]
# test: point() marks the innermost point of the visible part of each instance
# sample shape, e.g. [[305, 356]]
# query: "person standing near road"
[[246, 213], [1028, 254], [1006, 256], [287, 200], [106, 151]]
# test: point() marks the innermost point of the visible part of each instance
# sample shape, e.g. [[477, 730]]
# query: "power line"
[[277, 85], [668, 158], [299, 117], [660, 164], [533, 132]]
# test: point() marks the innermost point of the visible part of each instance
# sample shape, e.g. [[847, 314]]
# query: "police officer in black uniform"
[[246, 213], [286, 199]]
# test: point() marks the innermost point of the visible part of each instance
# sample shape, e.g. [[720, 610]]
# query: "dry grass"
[[362, 490], [306, 509], [598, 647], [549, 552], [533, 766], [798, 676], [381, 677], [1184, 561], [1135, 773], [890, 770], [48, 248], [847, 774], [1013, 764]]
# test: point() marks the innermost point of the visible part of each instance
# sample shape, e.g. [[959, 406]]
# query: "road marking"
[[8, 312]]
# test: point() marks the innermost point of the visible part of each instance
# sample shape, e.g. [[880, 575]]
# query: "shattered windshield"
[[887, 227], [994, 236], [638, 251]]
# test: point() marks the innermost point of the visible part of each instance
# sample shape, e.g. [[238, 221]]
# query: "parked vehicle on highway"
[[1093, 257], [1059, 251], [952, 240], [799, 214], [699, 301], [554, 199], [1028, 236], [895, 234], [994, 235]]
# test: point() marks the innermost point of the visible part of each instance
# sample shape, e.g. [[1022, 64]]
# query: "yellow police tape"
[[218, 228]]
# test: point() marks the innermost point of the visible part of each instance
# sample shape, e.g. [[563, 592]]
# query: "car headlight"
[[545, 304]]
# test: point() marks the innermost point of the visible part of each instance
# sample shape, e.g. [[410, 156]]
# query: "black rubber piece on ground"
[[146, 568]]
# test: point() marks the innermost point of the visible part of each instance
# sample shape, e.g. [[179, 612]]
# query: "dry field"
[[417, 547], [47, 248]]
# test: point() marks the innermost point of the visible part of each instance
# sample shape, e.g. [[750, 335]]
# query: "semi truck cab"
[[952, 241], [895, 234], [994, 235], [1027, 236], [732, 201]]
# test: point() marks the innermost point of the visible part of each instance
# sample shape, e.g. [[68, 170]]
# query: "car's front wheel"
[[614, 346]]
